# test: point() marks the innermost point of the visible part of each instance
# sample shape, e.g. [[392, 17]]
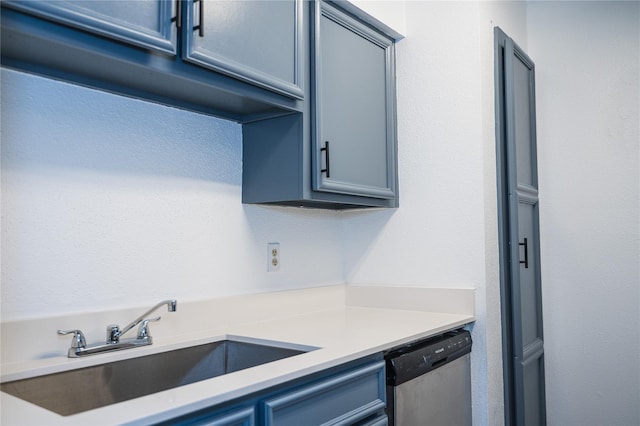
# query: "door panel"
[[534, 400], [529, 301], [522, 122], [353, 105]]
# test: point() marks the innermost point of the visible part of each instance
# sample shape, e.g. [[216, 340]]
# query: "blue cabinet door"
[[258, 41], [341, 400], [350, 394], [354, 127], [145, 23]]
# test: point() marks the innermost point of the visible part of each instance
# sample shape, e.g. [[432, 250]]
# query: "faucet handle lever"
[[113, 333], [143, 330], [78, 338]]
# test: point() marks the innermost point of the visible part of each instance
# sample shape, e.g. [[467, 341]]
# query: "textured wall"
[[587, 58], [445, 232], [109, 202], [392, 13]]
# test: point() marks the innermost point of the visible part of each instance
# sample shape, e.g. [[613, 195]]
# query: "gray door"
[[520, 236]]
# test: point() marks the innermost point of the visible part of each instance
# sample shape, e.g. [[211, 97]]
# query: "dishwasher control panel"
[[414, 359]]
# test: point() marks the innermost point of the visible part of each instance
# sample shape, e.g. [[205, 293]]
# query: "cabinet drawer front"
[[146, 24], [378, 421], [338, 400], [237, 417]]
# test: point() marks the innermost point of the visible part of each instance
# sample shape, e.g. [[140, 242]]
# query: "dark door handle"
[[178, 18], [326, 159], [200, 26], [526, 253]]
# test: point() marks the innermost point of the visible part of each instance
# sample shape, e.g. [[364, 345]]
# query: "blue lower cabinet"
[[353, 394], [345, 399]]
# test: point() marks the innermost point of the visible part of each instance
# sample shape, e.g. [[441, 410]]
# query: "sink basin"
[[84, 389]]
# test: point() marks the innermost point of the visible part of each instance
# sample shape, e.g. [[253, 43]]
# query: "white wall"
[[587, 57], [391, 13], [445, 232], [110, 202], [436, 237]]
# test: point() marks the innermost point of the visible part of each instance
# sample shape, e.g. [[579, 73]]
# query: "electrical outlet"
[[273, 257]]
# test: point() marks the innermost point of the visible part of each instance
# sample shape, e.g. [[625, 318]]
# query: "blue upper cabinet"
[[241, 60], [258, 41], [354, 131], [340, 151], [144, 23]]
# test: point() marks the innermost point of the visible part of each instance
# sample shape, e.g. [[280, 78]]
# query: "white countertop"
[[343, 333]]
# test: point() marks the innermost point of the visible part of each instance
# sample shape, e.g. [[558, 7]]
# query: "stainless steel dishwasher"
[[429, 381]]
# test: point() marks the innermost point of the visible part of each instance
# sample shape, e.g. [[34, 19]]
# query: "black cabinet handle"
[[326, 159], [200, 26], [526, 253], [178, 18]]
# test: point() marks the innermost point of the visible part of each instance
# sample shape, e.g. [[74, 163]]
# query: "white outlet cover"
[[273, 257]]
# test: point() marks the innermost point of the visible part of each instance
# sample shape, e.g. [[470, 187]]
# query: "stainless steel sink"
[[75, 391]]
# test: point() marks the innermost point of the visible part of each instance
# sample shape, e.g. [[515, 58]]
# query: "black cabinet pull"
[[178, 18], [526, 253], [326, 159], [200, 26]]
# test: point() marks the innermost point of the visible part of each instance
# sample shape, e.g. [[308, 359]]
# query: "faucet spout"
[[115, 333]]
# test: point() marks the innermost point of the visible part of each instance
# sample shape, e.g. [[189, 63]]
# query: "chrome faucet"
[[114, 333]]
